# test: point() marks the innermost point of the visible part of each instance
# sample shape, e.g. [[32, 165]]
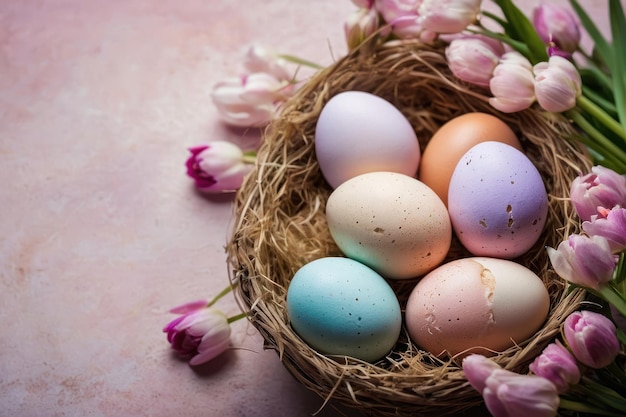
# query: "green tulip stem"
[[237, 317], [611, 295], [220, 295], [597, 113], [566, 404], [249, 157]]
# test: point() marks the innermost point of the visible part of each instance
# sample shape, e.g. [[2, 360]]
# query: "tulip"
[[262, 60], [557, 25], [402, 16], [218, 167], [202, 333], [611, 225], [585, 261], [250, 100], [473, 58], [512, 84], [448, 16], [508, 394], [361, 24], [557, 365], [602, 187], [477, 369], [557, 84], [592, 338]]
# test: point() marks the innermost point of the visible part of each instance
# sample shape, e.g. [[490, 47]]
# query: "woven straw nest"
[[280, 225]]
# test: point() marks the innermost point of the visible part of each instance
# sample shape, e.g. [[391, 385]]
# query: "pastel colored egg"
[[452, 140], [476, 305], [497, 201], [391, 222], [359, 132], [339, 306]]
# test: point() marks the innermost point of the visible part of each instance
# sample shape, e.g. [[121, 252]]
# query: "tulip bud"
[[473, 58], [361, 24], [250, 100], [592, 338], [585, 261], [448, 16], [508, 394], [557, 84], [202, 333], [402, 16], [557, 25], [477, 369], [217, 167], [602, 187], [262, 60], [558, 366], [611, 225], [512, 84]]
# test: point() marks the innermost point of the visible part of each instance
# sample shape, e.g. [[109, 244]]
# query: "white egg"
[[359, 132]]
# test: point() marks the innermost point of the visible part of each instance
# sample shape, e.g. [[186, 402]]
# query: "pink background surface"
[[101, 232]]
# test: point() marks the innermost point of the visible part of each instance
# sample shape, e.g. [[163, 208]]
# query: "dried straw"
[[280, 225]]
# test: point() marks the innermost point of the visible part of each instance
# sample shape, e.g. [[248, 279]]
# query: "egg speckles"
[[476, 304], [391, 222], [342, 307], [497, 201]]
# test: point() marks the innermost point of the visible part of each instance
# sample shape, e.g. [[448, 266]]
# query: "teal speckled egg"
[[340, 306]]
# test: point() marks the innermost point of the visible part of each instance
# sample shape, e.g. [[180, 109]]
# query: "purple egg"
[[497, 201]]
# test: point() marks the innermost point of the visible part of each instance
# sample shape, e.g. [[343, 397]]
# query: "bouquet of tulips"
[[520, 61]]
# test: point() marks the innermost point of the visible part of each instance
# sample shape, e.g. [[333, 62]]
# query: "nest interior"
[[280, 225]]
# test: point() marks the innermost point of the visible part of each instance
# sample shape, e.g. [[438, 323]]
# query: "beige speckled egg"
[[476, 305], [391, 222]]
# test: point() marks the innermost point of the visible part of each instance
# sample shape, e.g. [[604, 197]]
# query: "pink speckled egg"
[[476, 305], [497, 201]]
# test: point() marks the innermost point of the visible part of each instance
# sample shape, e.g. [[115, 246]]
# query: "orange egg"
[[452, 140]]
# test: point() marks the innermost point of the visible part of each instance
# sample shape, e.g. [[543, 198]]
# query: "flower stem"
[[249, 157], [610, 294], [300, 61], [237, 317], [220, 295], [585, 408], [597, 113]]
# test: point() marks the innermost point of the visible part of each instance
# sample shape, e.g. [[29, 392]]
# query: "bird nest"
[[280, 225]]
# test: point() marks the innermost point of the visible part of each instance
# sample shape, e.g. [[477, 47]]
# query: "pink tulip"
[[611, 225], [218, 167], [557, 84], [473, 58], [557, 365], [602, 187], [512, 84], [250, 100], [585, 261], [361, 24], [202, 333], [448, 16], [402, 16], [557, 25], [508, 394], [477, 369], [261, 60], [592, 338]]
